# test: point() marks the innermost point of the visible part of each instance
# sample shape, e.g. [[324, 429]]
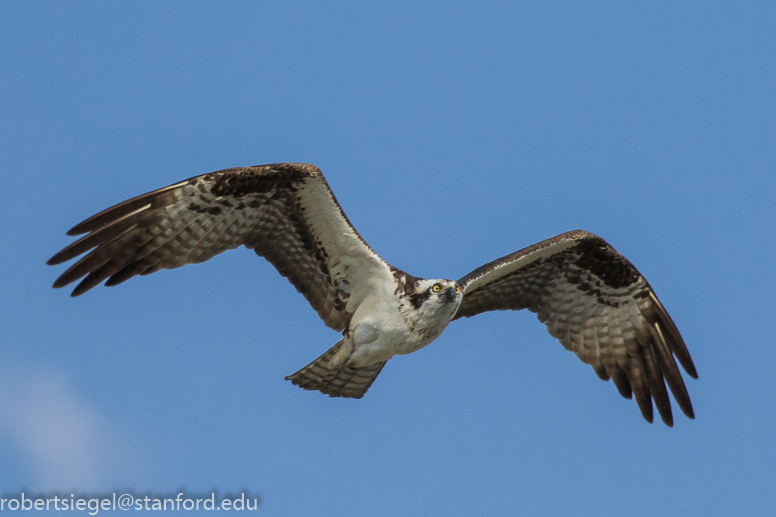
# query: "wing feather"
[[597, 305], [285, 212]]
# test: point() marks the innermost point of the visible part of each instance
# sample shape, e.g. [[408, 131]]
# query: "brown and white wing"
[[599, 306], [285, 212]]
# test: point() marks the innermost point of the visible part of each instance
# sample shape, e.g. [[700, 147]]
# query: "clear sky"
[[452, 133]]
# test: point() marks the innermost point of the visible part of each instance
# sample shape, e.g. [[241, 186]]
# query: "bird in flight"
[[591, 298]]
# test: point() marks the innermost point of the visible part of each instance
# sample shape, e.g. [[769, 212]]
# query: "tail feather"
[[337, 381]]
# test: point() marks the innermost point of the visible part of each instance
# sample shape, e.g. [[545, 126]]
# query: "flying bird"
[[591, 298]]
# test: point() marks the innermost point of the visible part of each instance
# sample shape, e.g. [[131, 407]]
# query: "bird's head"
[[437, 294]]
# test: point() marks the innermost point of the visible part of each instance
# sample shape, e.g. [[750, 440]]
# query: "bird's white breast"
[[386, 324]]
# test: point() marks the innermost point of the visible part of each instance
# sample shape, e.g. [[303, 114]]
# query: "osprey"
[[590, 297]]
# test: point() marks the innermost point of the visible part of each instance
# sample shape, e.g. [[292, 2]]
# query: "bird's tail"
[[334, 378]]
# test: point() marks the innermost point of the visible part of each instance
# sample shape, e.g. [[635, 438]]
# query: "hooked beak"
[[449, 294]]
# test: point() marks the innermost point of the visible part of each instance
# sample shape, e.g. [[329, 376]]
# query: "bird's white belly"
[[377, 341], [388, 344]]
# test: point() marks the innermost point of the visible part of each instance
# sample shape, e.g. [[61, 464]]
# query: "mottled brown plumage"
[[590, 297], [193, 220], [598, 305]]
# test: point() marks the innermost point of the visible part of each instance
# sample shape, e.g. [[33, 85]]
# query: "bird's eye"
[[457, 290], [436, 288]]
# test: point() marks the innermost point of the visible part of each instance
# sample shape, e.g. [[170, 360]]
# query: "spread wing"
[[599, 306], [285, 212]]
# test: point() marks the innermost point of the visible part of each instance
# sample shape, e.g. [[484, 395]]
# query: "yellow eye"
[[457, 290], [436, 288]]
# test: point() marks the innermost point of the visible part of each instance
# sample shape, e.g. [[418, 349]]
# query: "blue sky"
[[452, 134]]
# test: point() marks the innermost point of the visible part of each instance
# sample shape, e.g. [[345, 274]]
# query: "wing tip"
[[59, 285], [79, 290], [76, 230]]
